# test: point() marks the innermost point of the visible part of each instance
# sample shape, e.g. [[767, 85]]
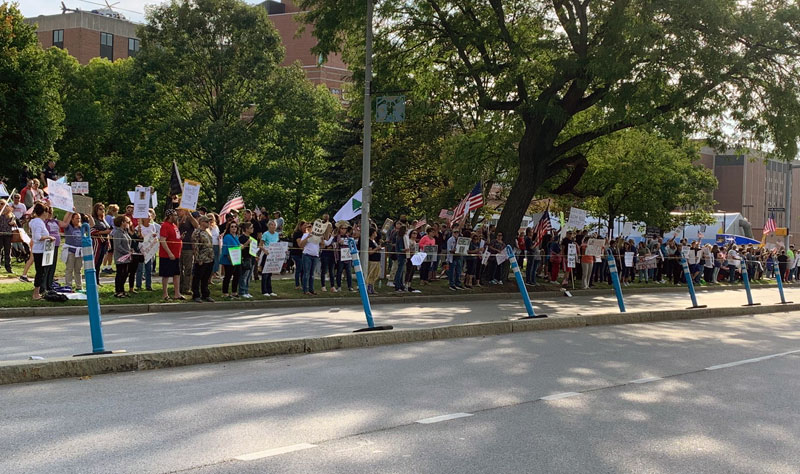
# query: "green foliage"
[[30, 112]]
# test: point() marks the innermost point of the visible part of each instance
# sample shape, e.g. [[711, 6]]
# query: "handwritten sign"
[[344, 254], [253, 247], [141, 202], [595, 247], [629, 259], [149, 246], [83, 204], [387, 226], [80, 187], [191, 193], [577, 218], [60, 195], [276, 256], [572, 255], [647, 263], [501, 257]]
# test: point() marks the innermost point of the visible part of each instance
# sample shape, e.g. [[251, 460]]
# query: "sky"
[[132, 9]]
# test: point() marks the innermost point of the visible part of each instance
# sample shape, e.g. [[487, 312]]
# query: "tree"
[[30, 110], [644, 177], [573, 71]]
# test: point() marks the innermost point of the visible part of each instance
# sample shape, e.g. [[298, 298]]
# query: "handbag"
[[15, 236]]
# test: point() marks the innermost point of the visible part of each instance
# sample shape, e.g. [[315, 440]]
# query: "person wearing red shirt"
[[425, 270], [169, 254]]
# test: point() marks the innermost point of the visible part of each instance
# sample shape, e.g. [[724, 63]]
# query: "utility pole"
[[366, 192]]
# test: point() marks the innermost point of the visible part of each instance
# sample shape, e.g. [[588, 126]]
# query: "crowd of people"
[[199, 248]]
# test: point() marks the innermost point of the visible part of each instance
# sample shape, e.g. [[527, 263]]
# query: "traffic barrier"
[[746, 280], [690, 284], [780, 287], [612, 269], [521, 284], [362, 289]]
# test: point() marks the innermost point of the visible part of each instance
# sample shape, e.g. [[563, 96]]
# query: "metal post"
[[362, 289], [366, 193], [521, 284], [92, 296], [689, 283], [612, 268], [788, 205], [746, 280]]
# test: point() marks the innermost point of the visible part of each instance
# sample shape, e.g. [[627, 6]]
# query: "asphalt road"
[[358, 411], [64, 336]]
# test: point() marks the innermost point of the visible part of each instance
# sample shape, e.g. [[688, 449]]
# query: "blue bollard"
[[92, 296], [362, 289], [780, 287], [612, 268], [521, 284], [688, 275], [746, 281]]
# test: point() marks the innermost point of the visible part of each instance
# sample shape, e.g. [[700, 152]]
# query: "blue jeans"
[[244, 280], [344, 266], [454, 273], [309, 265], [328, 265], [146, 270], [298, 269], [398, 277], [732, 274], [533, 265]]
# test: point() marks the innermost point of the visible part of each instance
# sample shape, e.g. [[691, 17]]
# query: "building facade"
[[87, 35], [756, 187]]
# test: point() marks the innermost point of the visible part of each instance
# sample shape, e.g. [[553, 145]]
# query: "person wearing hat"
[[203, 249], [169, 254]]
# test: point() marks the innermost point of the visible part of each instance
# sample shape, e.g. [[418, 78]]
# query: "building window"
[[133, 47], [107, 46], [58, 38]]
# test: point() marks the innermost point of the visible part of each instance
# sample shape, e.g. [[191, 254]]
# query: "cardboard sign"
[[431, 253], [149, 246], [277, 252], [60, 195], [141, 203], [629, 259], [236, 255], [80, 187], [462, 246], [83, 204], [577, 218], [572, 255], [190, 195], [595, 247], [49, 252], [253, 247], [647, 263]]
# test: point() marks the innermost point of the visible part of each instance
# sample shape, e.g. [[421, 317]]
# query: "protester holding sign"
[[39, 235], [296, 252], [232, 268], [122, 254], [428, 240], [203, 249], [248, 260], [310, 248], [7, 225], [374, 260], [169, 255], [342, 254], [411, 249], [271, 236], [73, 249]]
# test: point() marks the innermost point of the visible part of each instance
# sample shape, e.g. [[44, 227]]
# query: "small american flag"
[[770, 225], [543, 226], [235, 202], [472, 201]]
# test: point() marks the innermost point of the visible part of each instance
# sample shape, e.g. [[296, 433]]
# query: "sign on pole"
[[141, 203], [190, 195], [390, 108], [60, 195]]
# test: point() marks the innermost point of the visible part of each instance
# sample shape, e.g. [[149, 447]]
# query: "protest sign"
[[418, 258], [253, 247], [387, 226], [60, 195], [345, 255], [647, 263], [485, 257], [462, 245], [154, 199], [577, 218], [190, 195], [23, 236], [595, 247], [446, 214], [141, 203], [236, 255], [627, 229], [629, 259], [276, 257], [572, 255], [80, 187], [49, 251], [83, 204], [501, 257], [131, 195], [149, 246], [431, 253]]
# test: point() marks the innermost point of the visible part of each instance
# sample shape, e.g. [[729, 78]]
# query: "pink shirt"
[[426, 240]]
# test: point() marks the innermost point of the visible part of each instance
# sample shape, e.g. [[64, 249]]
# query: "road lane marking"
[[646, 380], [559, 396], [750, 361], [437, 419], [274, 452]]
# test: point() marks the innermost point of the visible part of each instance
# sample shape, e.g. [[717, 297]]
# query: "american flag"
[[543, 226], [472, 201], [770, 225], [235, 202]]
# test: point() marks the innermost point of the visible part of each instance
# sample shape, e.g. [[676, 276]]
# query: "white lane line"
[[646, 380], [437, 419], [274, 452], [750, 361], [559, 396]]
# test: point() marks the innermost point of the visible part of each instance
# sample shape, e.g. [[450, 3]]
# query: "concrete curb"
[[144, 308], [31, 371]]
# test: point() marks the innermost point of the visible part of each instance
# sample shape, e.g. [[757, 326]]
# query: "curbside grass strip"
[[31, 371]]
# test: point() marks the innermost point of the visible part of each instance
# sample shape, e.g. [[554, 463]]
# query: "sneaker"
[[500, 282], [323, 289], [452, 288], [416, 291], [390, 284], [24, 278], [335, 290], [196, 300], [459, 287], [553, 282], [351, 289], [273, 294], [246, 296], [209, 299], [265, 294]]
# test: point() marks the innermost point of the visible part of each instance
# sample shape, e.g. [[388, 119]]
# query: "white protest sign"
[[276, 257], [627, 229], [345, 255], [253, 247], [501, 257], [141, 203], [595, 247], [149, 246], [431, 252], [485, 257], [577, 218], [462, 245], [572, 255], [629, 259], [60, 195], [190, 195], [418, 258], [317, 231], [24, 235], [80, 187], [49, 251]]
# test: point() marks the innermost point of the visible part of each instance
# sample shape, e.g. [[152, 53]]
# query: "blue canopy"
[[736, 239]]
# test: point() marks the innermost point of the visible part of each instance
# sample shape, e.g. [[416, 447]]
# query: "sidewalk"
[[63, 336]]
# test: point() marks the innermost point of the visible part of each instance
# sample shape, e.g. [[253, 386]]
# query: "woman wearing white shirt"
[[39, 235], [310, 246]]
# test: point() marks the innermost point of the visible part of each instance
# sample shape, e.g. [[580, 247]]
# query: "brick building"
[[755, 187], [87, 35]]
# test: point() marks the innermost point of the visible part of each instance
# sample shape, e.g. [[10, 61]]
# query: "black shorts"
[[168, 268]]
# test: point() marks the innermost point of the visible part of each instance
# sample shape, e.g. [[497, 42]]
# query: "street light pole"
[[366, 192]]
